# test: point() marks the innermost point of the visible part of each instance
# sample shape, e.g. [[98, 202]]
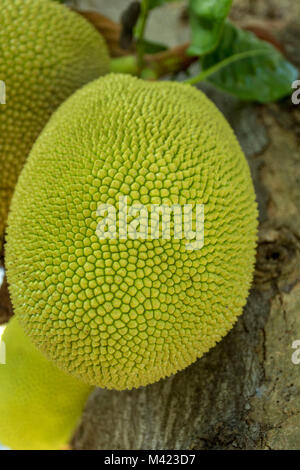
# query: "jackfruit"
[[39, 404], [115, 311], [46, 53]]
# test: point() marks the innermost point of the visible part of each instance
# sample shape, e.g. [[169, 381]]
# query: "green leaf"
[[151, 47], [207, 19], [158, 3], [264, 77]]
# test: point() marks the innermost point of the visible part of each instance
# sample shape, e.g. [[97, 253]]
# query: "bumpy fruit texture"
[[46, 53], [39, 404], [125, 313]]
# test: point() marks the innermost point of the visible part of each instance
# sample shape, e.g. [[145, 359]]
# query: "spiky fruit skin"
[[125, 313], [46, 53], [39, 404]]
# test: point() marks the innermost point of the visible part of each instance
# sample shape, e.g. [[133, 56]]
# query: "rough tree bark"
[[245, 393]]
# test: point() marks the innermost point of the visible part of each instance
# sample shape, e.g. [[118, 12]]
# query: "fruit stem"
[[140, 32], [127, 64]]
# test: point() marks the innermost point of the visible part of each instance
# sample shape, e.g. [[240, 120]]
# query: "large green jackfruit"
[[115, 311], [46, 53]]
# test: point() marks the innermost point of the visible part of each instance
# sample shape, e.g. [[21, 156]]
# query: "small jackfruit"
[[122, 311], [39, 404], [46, 53]]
